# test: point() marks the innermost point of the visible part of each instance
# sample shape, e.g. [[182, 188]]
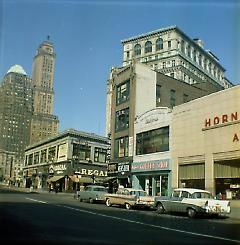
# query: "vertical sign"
[[130, 146]]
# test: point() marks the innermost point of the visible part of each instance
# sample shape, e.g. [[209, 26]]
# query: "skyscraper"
[[43, 123], [16, 97], [15, 110]]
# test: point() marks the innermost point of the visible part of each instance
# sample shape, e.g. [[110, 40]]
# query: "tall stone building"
[[173, 53], [16, 100], [43, 123]]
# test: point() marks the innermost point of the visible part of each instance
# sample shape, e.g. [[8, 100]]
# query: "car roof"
[[95, 186], [191, 190], [131, 189]]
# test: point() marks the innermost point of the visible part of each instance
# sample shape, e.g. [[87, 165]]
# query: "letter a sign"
[[235, 138]]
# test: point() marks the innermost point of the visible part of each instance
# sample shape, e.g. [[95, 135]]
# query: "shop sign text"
[[90, 172], [222, 119], [150, 165]]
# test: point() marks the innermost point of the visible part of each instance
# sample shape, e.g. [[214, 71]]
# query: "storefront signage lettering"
[[90, 172], [150, 165], [235, 138], [112, 168], [150, 120], [218, 120], [123, 167]]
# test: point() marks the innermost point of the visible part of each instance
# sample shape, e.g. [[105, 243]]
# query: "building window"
[[43, 156], [185, 98], [172, 98], [159, 44], [100, 155], [200, 60], [148, 47], [30, 159], [137, 49], [81, 151], [173, 63], [158, 95], [121, 147], [164, 64], [128, 54], [122, 92], [51, 153], [188, 51], [194, 56], [36, 158], [182, 46], [122, 119], [156, 140], [169, 44]]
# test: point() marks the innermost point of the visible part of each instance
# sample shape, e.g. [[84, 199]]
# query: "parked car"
[[129, 198], [92, 193], [193, 202]]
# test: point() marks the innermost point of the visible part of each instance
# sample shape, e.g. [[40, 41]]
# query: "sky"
[[87, 40]]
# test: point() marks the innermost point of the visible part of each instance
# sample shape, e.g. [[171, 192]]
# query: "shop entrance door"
[[160, 186]]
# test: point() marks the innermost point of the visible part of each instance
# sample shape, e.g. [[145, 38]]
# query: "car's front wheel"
[[91, 200], [108, 203], [160, 208], [191, 213], [128, 206]]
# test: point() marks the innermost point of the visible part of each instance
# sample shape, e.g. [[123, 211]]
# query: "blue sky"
[[87, 39]]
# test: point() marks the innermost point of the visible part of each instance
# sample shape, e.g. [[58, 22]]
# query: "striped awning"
[[55, 178]]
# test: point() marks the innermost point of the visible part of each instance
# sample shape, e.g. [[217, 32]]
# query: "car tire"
[[191, 213], [160, 208], [80, 199], [128, 206], [108, 203], [91, 200]]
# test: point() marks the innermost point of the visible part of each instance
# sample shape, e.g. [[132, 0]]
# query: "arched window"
[[159, 44], [137, 49], [148, 47], [182, 46]]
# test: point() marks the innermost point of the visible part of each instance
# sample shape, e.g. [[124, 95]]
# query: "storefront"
[[119, 175], [206, 146], [151, 167], [152, 176]]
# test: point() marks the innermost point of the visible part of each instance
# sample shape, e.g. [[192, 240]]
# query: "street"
[[59, 218]]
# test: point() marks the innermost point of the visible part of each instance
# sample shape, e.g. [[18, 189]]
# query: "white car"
[[192, 202]]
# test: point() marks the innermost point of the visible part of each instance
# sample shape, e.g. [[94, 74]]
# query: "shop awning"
[[74, 178], [55, 178], [85, 180]]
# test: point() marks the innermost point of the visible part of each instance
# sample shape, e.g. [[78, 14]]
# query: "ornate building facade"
[[44, 123]]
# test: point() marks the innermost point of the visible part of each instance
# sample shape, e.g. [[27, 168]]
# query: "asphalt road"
[[49, 218]]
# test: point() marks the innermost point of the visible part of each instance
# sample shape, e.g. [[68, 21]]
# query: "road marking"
[[35, 200], [150, 225]]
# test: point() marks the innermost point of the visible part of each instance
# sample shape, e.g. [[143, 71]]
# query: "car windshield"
[[201, 195], [139, 193]]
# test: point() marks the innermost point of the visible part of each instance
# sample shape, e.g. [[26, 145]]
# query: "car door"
[[175, 201]]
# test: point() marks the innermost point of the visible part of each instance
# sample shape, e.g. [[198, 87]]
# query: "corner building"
[[206, 145]]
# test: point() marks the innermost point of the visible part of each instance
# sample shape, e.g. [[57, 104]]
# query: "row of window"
[[80, 152], [152, 141], [148, 46]]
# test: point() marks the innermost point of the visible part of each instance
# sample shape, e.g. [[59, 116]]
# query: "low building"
[[206, 143], [70, 160]]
